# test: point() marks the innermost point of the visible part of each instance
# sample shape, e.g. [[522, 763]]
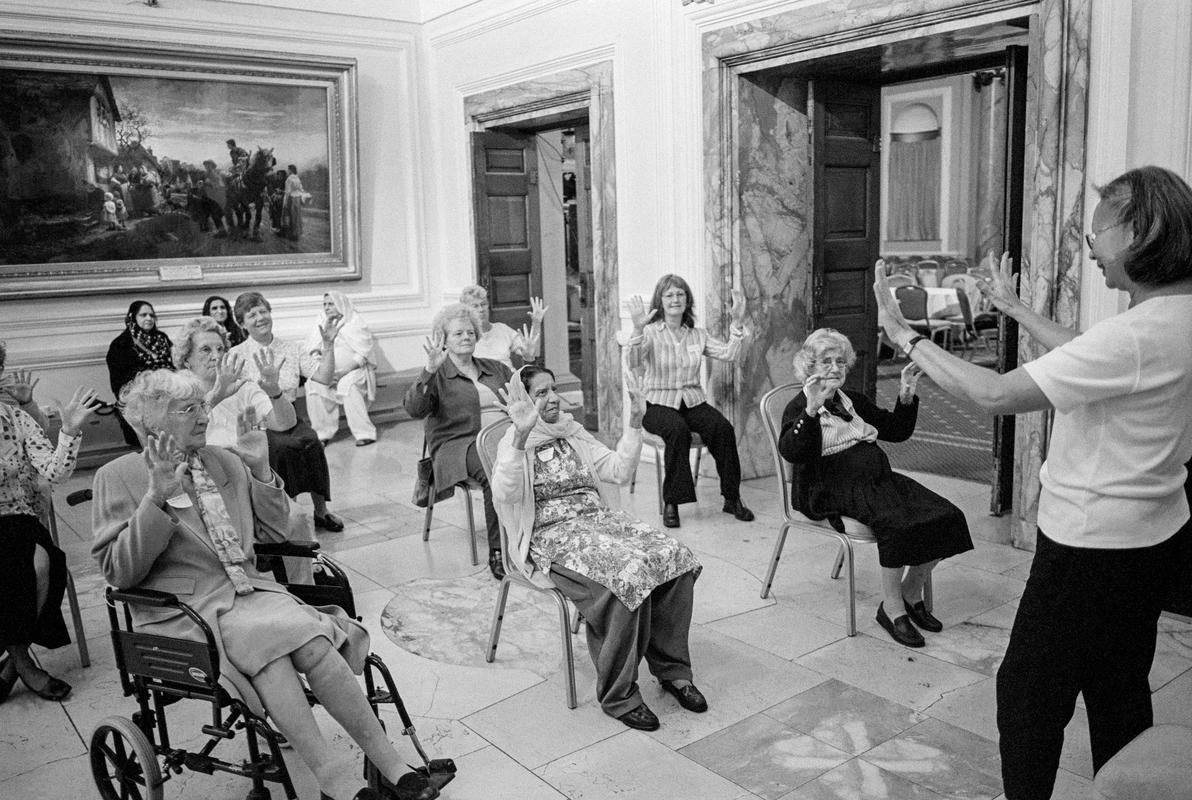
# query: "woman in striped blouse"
[[830, 435], [672, 352]]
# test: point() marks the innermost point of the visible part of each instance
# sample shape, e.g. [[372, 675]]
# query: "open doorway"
[[912, 151]]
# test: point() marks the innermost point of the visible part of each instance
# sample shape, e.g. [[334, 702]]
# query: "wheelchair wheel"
[[123, 762]]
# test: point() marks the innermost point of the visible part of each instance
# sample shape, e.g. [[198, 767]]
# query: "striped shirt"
[[673, 359], [839, 434]]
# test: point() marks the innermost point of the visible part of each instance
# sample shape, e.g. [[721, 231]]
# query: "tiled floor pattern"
[[798, 710]]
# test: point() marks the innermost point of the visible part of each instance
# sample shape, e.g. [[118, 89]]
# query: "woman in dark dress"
[[830, 435], [141, 346], [220, 310]]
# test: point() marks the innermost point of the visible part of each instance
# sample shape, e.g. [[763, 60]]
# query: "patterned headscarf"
[[153, 347]]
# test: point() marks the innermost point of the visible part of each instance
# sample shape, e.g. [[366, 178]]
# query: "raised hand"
[[19, 386], [523, 412], [329, 331], [1000, 288], [637, 397], [84, 403], [909, 380], [818, 389], [252, 445], [166, 472], [736, 313], [638, 314], [229, 377], [889, 315], [269, 370], [537, 311], [436, 351]]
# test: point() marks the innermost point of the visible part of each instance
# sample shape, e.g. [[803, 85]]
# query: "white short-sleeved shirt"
[[1122, 392], [499, 344]]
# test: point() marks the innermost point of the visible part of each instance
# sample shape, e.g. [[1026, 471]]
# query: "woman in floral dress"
[[632, 584]]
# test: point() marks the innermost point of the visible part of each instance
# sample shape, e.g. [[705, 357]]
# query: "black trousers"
[[674, 427], [1086, 623], [476, 473]]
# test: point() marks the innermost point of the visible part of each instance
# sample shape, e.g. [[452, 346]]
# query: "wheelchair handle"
[[144, 597], [299, 549], [76, 498]]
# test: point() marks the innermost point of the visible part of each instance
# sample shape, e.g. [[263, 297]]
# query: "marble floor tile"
[[599, 772], [1173, 702], [978, 643], [780, 629], [764, 756], [972, 707], [396, 561], [943, 758], [1077, 755], [34, 732], [724, 590], [844, 716], [488, 773], [857, 779], [992, 557]]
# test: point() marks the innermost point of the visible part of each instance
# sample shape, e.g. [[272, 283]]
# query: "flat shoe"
[[922, 617], [413, 785], [496, 565], [738, 510], [329, 522], [900, 629], [641, 719], [670, 515], [688, 696], [365, 442], [55, 689]]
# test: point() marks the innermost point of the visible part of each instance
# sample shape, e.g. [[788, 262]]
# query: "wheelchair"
[[132, 759]]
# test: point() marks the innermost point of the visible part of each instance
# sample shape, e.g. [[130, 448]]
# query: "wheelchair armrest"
[[81, 496], [145, 597], [297, 549]]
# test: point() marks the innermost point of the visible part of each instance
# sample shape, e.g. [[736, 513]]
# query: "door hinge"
[[875, 143], [532, 177]]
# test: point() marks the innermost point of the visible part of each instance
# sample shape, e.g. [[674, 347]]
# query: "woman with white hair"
[[829, 435], [498, 340], [452, 394], [354, 381], [182, 518]]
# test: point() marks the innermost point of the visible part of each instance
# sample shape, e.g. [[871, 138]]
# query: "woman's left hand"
[[537, 311], [229, 377], [910, 379], [269, 368], [637, 398], [75, 413], [889, 315], [329, 331], [522, 411], [19, 386], [736, 314], [252, 445]]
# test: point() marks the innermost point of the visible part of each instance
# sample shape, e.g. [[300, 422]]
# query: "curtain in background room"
[[914, 191]]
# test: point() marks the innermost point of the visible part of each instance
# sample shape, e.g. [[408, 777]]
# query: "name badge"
[[179, 501], [545, 454]]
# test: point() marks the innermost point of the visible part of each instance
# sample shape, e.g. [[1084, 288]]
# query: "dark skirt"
[[20, 623], [298, 459], [913, 524]]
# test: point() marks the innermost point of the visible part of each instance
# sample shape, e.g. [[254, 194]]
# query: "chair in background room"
[[486, 446], [912, 300], [929, 273], [772, 405], [955, 266], [900, 279]]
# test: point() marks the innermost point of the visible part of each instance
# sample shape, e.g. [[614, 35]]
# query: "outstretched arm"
[[999, 289]]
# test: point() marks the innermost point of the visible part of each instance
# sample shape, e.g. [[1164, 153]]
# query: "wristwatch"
[[906, 351]]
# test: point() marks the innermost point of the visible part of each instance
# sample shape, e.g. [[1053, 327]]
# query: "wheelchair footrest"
[[197, 762]]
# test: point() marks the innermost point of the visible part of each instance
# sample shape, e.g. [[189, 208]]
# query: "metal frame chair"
[[467, 486], [656, 442], [76, 614], [486, 445], [772, 406], [912, 301]]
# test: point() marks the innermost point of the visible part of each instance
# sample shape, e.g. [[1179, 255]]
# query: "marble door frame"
[[588, 87], [1055, 180]]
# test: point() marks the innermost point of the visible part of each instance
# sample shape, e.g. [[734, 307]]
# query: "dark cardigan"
[[801, 443]]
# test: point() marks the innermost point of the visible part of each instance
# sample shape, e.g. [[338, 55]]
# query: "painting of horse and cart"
[[110, 171]]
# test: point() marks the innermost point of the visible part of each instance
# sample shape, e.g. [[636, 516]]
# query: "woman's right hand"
[[999, 289], [817, 389], [638, 314], [523, 412], [229, 377], [436, 351], [166, 473]]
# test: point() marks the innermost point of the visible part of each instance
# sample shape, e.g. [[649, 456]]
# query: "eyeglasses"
[[193, 409], [828, 363], [1089, 238], [675, 295]]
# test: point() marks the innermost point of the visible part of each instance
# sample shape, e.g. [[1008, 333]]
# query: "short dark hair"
[[531, 371], [667, 282], [1157, 204], [247, 302], [231, 142]]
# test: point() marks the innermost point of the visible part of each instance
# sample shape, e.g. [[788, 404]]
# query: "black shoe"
[[688, 696], [329, 522], [365, 442], [901, 630], [921, 616], [670, 515], [738, 510], [496, 564], [413, 785], [641, 719]]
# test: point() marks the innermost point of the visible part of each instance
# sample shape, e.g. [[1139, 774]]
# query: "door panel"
[[846, 122], [583, 205], [505, 192]]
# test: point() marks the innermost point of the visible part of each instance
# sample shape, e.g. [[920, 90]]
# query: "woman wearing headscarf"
[[220, 310], [141, 346], [354, 381]]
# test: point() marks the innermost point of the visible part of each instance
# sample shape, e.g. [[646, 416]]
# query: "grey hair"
[[143, 400], [184, 343], [472, 293], [819, 342], [450, 313]]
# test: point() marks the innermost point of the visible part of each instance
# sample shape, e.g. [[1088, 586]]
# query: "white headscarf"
[[354, 334]]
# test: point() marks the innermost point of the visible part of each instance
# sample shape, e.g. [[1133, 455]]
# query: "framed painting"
[[133, 167]]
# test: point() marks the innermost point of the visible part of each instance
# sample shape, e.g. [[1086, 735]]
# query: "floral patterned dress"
[[573, 529]]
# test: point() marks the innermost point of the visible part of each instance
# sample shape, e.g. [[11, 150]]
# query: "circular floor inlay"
[[449, 620]]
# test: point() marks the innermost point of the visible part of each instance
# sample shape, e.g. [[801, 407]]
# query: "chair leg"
[[575, 621], [850, 614], [494, 635], [568, 653], [77, 616], [633, 480], [471, 522], [928, 600], [699, 454], [839, 562], [658, 475], [430, 512], [778, 545]]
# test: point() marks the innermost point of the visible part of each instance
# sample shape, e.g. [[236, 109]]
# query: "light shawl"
[[353, 334]]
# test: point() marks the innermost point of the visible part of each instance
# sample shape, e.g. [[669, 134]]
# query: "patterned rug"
[[448, 620]]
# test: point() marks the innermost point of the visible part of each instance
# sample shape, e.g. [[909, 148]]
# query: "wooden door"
[[587, 322], [508, 247], [846, 141]]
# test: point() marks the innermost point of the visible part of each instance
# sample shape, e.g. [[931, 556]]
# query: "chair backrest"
[[913, 302], [486, 447], [955, 267], [929, 272], [772, 405], [966, 310], [900, 279]]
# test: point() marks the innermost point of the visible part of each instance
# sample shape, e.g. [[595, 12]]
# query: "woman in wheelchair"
[[829, 435], [181, 518], [632, 584]]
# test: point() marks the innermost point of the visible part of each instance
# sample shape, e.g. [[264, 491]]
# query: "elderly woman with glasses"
[[182, 518], [1113, 514], [830, 435]]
